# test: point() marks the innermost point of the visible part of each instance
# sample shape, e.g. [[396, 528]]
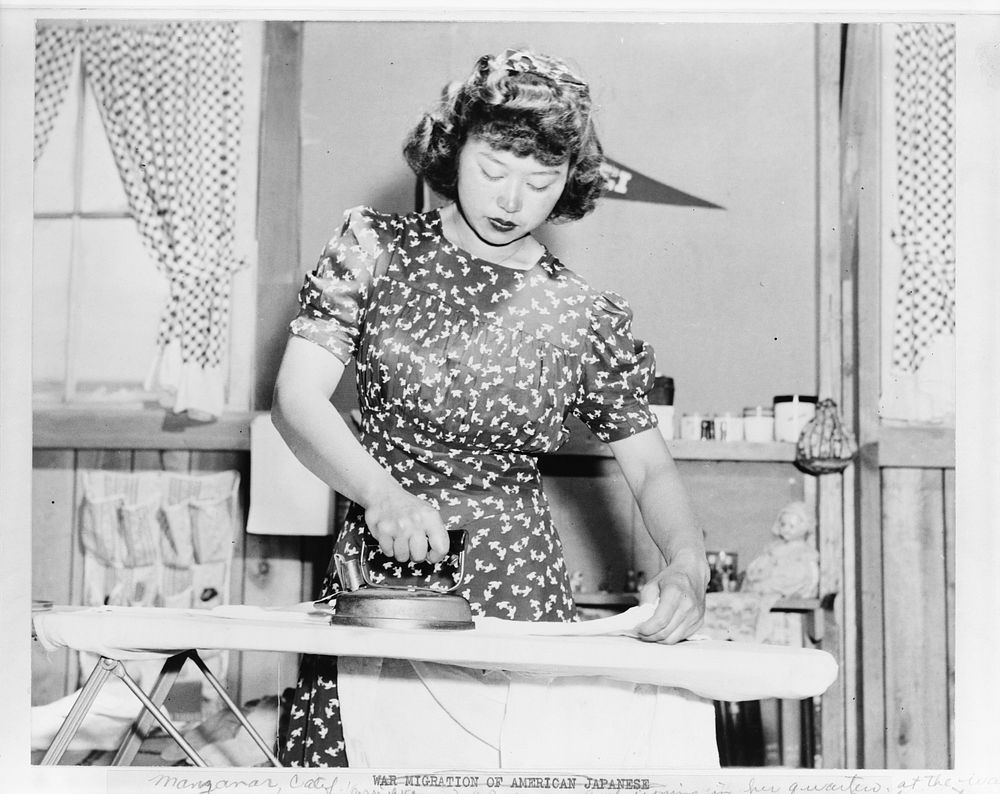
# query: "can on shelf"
[[664, 419], [691, 426], [708, 429], [791, 413], [728, 427], [758, 423]]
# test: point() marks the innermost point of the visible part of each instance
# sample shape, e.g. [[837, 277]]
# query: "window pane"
[[119, 303], [102, 186], [50, 285], [54, 169]]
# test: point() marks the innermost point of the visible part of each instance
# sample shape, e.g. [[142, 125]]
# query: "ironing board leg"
[[129, 747], [154, 709], [84, 700], [234, 708]]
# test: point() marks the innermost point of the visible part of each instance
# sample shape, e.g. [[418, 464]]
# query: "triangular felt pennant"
[[626, 183]]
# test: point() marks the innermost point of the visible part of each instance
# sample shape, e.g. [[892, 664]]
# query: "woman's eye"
[[491, 177], [540, 188]]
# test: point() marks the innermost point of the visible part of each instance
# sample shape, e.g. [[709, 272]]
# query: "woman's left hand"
[[679, 593]]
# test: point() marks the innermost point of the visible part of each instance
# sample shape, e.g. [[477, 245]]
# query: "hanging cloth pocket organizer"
[[158, 539]]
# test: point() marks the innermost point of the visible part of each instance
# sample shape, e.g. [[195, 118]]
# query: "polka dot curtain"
[[170, 97], [55, 52], [171, 101], [924, 105]]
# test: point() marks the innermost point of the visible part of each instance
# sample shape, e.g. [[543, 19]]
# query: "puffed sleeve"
[[618, 372], [334, 295]]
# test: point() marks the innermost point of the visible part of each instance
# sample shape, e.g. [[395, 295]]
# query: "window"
[[97, 292]]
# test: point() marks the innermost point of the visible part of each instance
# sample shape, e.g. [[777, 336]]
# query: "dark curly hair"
[[522, 102]]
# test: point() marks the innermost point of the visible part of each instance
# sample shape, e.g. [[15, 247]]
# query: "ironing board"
[[715, 670]]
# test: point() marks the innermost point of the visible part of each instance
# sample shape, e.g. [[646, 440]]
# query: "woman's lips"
[[501, 225]]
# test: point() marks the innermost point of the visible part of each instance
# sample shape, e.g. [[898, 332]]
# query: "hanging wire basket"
[[825, 445]]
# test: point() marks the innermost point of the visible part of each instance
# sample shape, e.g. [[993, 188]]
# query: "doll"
[[789, 564]]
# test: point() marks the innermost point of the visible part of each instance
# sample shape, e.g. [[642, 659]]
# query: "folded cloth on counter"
[[285, 497], [718, 670], [492, 719]]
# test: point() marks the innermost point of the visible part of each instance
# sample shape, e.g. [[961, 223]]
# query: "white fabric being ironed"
[[711, 669], [399, 714]]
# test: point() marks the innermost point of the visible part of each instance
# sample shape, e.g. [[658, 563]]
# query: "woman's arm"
[[666, 511], [313, 428]]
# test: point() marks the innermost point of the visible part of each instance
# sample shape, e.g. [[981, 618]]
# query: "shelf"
[[155, 428], [625, 600], [583, 443], [136, 428]]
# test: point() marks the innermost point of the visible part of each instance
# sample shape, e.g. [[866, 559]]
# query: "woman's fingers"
[[678, 615], [438, 540], [401, 548], [408, 529]]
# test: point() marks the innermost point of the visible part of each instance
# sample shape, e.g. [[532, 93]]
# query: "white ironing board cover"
[[712, 669]]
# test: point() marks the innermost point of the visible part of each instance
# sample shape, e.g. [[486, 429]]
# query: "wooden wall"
[[266, 570], [918, 608]]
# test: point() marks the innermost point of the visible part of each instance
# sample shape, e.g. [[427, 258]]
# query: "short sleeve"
[[334, 295], [618, 373]]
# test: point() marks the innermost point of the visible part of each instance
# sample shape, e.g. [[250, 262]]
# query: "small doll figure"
[[789, 565]]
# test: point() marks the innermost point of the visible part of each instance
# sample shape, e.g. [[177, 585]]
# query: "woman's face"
[[505, 196]]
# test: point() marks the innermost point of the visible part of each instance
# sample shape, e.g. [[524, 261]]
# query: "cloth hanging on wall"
[[924, 105], [170, 97], [55, 52], [158, 539]]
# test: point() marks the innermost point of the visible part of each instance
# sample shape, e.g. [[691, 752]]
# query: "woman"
[[473, 343]]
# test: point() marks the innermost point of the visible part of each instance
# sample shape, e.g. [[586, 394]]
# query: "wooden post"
[[949, 578], [862, 236], [279, 197], [830, 357]]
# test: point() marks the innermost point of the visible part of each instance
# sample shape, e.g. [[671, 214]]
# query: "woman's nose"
[[510, 198]]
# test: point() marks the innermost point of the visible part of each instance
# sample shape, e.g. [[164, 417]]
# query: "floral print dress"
[[466, 371]]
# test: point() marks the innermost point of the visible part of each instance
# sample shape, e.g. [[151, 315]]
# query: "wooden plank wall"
[[267, 570], [918, 539]]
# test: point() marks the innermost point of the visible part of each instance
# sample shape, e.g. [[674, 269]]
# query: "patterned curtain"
[[925, 113], [55, 49], [170, 97]]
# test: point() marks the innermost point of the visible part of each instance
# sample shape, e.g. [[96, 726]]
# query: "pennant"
[[630, 185]]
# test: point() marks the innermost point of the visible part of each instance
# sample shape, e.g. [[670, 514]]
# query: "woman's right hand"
[[406, 527]]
